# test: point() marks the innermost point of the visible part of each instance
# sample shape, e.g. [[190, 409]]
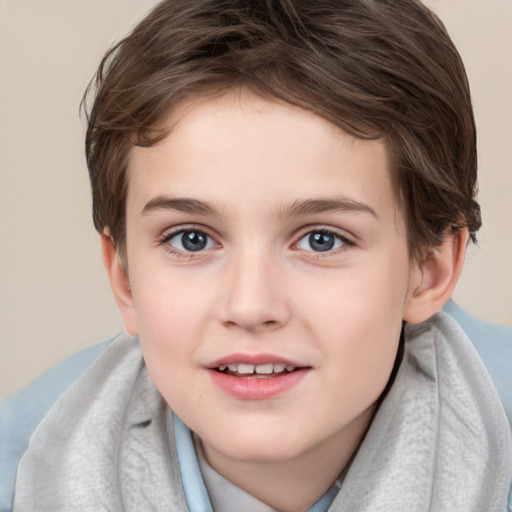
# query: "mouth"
[[258, 371], [256, 377]]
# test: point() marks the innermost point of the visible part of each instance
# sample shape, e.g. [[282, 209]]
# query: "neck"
[[294, 484]]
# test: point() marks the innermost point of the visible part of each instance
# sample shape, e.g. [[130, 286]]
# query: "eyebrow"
[[298, 207], [312, 206], [180, 204]]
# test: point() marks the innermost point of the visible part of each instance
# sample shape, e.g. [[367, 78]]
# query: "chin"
[[260, 445]]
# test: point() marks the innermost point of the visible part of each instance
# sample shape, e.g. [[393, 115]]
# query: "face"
[[268, 274]]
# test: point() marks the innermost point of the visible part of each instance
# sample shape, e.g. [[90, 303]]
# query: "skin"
[[270, 174]]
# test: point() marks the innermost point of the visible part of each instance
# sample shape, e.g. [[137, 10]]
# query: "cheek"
[[164, 297], [361, 299], [360, 321], [362, 358], [173, 312], [166, 329]]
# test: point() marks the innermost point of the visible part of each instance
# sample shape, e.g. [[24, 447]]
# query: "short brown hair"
[[375, 68]]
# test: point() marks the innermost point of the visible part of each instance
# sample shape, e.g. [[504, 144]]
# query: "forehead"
[[233, 146]]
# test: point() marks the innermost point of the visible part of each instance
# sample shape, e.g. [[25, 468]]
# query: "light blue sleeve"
[[494, 345], [22, 412]]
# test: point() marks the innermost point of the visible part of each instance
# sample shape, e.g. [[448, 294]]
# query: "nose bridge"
[[254, 295]]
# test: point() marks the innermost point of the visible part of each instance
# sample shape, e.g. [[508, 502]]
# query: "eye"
[[191, 240], [321, 241]]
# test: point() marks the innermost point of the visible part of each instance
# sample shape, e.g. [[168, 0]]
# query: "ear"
[[433, 280], [120, 284]]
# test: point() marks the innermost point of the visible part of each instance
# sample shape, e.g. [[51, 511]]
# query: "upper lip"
[[254, 359]]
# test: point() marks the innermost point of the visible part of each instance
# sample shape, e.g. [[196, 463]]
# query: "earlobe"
[[433, 280], [120, 284]]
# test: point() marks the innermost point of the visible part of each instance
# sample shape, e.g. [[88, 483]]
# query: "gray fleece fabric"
[[440, 440]]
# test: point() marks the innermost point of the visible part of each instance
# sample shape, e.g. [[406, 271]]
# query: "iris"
[[194, 240], [321, 242]]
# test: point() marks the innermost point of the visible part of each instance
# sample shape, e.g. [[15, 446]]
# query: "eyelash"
[[164, 241], [309, 231]]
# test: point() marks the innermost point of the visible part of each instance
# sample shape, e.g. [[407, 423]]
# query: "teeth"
[[260, 369], [264, 369], [245, 368]]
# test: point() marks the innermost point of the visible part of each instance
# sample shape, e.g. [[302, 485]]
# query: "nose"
[[254, 294]]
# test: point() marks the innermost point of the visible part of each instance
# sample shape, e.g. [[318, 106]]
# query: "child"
[[284, 191]]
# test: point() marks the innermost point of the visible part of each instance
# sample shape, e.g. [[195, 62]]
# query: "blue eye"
[[321, 241], [190, 241]]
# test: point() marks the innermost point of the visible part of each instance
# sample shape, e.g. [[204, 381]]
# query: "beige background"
[[54, 297]]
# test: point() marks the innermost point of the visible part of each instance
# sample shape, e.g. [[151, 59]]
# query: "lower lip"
[[254, 388]]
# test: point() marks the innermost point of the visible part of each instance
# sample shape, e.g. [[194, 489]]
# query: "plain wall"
[[54, 296]]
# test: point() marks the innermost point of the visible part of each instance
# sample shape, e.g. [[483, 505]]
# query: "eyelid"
[[326, 228], [180, 228]]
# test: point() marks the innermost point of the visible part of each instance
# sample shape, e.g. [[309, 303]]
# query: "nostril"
[[264, 326], [254, 326]]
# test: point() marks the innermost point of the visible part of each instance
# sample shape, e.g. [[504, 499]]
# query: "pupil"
[[193, 241], [321, 241]]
